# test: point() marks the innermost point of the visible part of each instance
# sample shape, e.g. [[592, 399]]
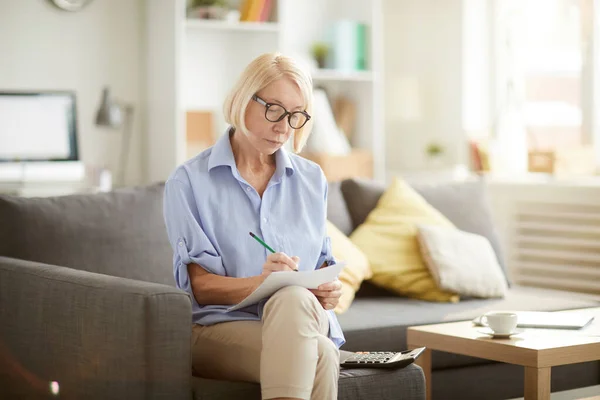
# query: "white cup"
[[500, 322]]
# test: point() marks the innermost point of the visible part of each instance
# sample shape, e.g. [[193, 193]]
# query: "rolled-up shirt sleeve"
[[326, 256], [335, 331], [188, 240]]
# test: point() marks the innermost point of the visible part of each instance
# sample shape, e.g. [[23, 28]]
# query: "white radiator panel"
[[555, 245]]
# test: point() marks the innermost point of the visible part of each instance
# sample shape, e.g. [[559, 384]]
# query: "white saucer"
[[488, 331]]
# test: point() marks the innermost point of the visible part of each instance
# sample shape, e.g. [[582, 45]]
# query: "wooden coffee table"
[[537, 350]]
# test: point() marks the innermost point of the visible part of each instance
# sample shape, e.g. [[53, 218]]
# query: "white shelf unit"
[[192, 64], [324, 75], [199, 24]]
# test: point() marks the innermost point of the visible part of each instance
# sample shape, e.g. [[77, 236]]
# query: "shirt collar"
[[222, 155], [284, 163]]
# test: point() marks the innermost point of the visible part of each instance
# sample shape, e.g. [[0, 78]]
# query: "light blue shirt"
[[210, 209]]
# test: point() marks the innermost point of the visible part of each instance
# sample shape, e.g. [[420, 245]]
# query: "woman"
[[247, 182]]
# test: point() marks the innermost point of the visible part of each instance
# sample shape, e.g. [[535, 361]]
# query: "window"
[[542, 71]]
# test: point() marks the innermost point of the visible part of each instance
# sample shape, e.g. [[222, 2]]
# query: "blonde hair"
[[261, 72]]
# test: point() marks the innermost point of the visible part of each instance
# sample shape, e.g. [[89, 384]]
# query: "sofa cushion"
[[355, 384], [357, 267], [388, 238], [361, 197], [120, 233], [461, 262], [379, 324], [464, 203], [337, 210]]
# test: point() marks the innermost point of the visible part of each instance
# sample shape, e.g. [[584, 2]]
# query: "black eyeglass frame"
[[288, 113]]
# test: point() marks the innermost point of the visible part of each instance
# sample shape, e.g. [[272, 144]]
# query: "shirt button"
[[180, 243], [265, 219], [248, 188]]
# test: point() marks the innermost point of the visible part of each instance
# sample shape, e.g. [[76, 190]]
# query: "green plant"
[[434, 149], [320, 50]]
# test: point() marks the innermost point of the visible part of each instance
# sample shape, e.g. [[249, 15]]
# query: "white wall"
[[42, 47], [478, 67], [435, 79]]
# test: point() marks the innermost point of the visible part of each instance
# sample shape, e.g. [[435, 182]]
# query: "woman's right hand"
[[280, 262]]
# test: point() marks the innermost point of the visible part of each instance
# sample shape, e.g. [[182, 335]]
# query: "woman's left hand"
[[328, 294]]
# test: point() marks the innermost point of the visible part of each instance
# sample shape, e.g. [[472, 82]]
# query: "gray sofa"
[[87, 300]]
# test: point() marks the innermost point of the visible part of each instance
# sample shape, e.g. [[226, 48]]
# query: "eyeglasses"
[[275, 113]]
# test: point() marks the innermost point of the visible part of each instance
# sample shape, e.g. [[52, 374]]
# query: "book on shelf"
[[256, 10], [348, 41]]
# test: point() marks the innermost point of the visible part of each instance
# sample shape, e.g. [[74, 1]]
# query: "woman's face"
[[267, 137]]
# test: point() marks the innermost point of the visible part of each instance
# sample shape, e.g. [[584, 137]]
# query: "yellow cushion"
[[357, 266], [389, 239]]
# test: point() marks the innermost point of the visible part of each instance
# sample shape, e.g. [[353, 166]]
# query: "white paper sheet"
[[278, 280]]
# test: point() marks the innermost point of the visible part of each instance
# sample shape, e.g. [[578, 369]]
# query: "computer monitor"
[[38, 126]]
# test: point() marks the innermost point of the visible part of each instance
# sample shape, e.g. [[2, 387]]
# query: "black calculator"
[[381, 359]]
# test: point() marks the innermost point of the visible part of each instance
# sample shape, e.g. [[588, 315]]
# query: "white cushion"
[[461, 262]]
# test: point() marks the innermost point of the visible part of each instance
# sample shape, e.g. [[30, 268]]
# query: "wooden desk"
[[538, 350]]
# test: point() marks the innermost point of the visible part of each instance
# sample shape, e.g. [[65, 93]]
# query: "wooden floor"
[[587, 393]]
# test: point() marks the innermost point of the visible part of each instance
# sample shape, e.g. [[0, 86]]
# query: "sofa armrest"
[[98, 336]]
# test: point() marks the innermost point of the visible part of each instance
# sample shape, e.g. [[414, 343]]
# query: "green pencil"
[[266, 246], [259, 240]]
